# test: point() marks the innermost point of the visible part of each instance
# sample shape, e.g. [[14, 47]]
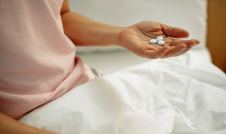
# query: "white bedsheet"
[[183, 95]]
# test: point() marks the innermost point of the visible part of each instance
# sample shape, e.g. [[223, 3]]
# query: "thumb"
[[174, 31]]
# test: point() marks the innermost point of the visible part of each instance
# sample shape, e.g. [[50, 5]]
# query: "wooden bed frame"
[[216, 37]]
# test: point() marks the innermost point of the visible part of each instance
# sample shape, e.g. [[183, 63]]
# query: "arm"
[[84, 31], [11, 126]]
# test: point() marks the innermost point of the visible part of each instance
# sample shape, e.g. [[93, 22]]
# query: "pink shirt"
[[37, 60]]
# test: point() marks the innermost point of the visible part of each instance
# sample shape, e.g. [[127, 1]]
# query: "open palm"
[[136, 39]]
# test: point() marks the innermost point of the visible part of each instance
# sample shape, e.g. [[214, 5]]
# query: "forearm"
[[86, 32], [11, 126]]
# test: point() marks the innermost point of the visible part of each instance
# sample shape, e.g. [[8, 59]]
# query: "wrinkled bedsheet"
[[182, 95]]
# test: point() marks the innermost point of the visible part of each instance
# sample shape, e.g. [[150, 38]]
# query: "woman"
[[38, 63]]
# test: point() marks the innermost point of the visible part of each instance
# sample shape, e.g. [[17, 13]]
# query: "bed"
[[179, 95]]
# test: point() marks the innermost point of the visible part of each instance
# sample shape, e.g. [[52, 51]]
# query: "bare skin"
[[86, 32], [12, 126]]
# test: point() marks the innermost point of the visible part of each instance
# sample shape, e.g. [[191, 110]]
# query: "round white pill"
[[153, 41], [160, 38], [161, 42]]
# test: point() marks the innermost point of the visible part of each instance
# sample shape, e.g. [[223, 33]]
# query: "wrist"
[[121, 35], [115, 36]]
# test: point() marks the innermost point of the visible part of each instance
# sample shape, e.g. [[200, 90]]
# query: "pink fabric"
[[37, 60]]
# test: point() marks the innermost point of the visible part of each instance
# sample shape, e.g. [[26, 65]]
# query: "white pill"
[[161, 42], [160, 38], [153, 41]]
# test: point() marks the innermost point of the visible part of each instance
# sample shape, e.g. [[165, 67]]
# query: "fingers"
[[178, 47], [172, 41], [154, 34], [174, 31], [172, 47], [153, 51], [158, 52], [175, 50], [190, 43]]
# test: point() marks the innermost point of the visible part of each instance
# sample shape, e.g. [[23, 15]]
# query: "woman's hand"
[[86, 32], [9, 125], [136, 39]]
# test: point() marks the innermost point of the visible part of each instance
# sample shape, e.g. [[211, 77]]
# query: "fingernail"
[[196, 42]]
